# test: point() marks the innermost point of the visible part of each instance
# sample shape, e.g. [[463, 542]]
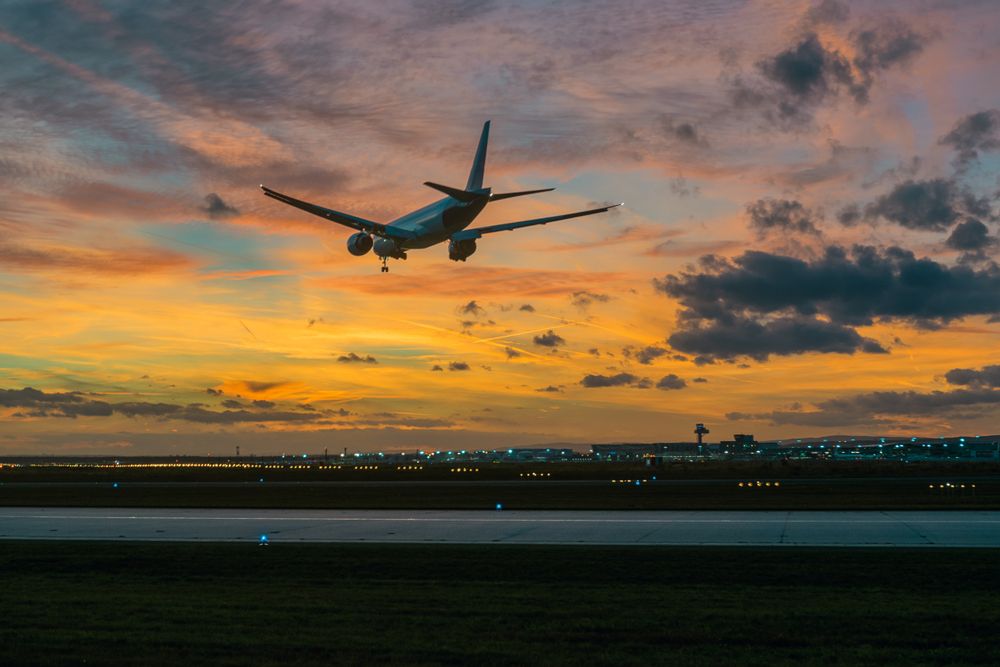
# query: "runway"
[[676, 528]]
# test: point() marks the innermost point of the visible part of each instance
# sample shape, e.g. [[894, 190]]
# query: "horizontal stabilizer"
[[508, 195], [455, 193]]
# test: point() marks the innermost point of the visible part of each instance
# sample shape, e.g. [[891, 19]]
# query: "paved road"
[[928, 528]]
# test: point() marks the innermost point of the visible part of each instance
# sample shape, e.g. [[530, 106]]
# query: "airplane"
[[444, 220]]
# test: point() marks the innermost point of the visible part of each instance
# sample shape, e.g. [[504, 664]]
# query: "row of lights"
[[535, 474], [465, 470], [950, 485], [409, 467], [366, 467], [637, 482], [757, 483]]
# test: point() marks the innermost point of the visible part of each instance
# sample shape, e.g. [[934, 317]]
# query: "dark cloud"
[[792, 83], [828, 11], [988, 376], [436, 367], [700, 380], [882, 407], [264, 405], [782, 215], [759, 304], [742, 336], [619, 380], [933, 205], [644, 355], [973, 239], [684, 133], [511, 353], [850, 215], [584, 298], [527, 307], [976, 133], [458, 366], [217, 209], [212, 392], [472, 308], [76, 404], [671, 381], [232, 404], [549, 339], [550, 389], [353, 358], [257, 386]]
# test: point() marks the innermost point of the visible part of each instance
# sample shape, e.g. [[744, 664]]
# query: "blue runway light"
[[115, 485], [261, 479], [637, 482], [263, 540], [499, 507]]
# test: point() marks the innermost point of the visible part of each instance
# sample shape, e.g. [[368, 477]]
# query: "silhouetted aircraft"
[[444, 220]]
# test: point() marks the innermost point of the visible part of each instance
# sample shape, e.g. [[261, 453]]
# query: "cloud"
[[882, 408], [97, 261], [644, 355], [458, 366], [257, 387], [232, 404], [76, 404], [264, 405], [789, 85], [213, 392], [974, 134], [549, 339], [671, 381], [933, 205], [759, 304], [353, 358], [699, 380], [782, 215], [619, 380], [684, 133], [741, 336], [973, 239], [436, 367], [472, 308], [527, 308], [988, 376], [511, 353], [550, 389], [217, 209], [584, 298]]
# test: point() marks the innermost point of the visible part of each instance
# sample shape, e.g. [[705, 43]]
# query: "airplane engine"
[[460, 250], [387, 248], [359, 244]]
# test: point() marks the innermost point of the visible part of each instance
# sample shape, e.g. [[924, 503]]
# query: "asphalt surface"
[[761, 528]]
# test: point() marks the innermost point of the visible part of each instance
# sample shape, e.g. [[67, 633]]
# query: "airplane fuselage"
[[436, 222]]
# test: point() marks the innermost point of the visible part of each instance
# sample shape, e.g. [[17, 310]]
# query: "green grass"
[[128, 603]]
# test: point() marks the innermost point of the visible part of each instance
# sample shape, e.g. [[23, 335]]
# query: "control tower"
[[700, 431]]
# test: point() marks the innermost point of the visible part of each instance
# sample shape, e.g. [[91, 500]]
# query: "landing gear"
[[385, 265]]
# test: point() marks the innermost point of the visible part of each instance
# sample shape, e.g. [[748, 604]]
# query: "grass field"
[[726, 494], [152, 604]]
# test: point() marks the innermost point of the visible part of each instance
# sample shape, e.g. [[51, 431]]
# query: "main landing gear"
[[385, 265]]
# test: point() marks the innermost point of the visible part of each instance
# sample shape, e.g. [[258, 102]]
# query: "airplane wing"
[[351, 221], [507, 226]]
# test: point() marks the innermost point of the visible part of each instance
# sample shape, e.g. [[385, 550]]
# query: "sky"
[[808, 243]]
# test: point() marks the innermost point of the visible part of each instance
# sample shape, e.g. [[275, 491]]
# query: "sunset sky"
[[808, 243]]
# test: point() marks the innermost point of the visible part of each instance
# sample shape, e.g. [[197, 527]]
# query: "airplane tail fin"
[[479, 163]]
